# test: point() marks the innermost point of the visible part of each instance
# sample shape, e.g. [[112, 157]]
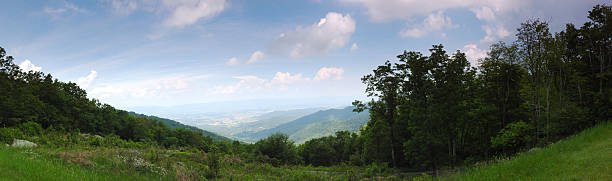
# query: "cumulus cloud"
[[332, 32], [484, 13], [286, 78], [280, 81], [488, 11], [379, 11], [494, 33], [85, 82], [354, 47], [326, 73], [433, 22], [474, 54], [256, 56], [232, 61], [150, 88], [187, 12], [27, 66]]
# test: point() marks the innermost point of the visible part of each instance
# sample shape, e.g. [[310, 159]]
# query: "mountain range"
[[318, 124]]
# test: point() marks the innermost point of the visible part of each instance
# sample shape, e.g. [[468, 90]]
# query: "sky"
[[174, 52]]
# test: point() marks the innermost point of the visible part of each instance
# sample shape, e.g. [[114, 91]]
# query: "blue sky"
[[173, 52]]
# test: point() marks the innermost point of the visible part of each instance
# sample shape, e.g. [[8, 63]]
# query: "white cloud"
[[187, 12], [246, 83], [27, 66], [433, 22], [232, 61], [354, 47], [332, 32], [85, 82], [151, 88], [123, 7], [484, 13], [280, 81], [326, 73], [286, 78], [57, 12], [178, 13], [413, 33], [256, 56], [380, 10], [474, 54], [494, 33]]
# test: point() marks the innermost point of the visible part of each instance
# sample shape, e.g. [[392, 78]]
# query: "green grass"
[[26, 164], [585, 156]]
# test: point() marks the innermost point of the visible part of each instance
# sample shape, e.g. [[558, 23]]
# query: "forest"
[[428, 111]]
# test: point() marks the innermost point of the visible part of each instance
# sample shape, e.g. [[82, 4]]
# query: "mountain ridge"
[[318, 124], [175, 124]]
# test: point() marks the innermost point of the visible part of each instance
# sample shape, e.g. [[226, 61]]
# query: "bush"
[[278, 148], [513, 137], [8, 134], [376, 169], [213, 161], [31, 128]]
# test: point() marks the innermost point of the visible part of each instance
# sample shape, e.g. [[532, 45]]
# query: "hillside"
[[585, 156], [174, 124], [318, 124]]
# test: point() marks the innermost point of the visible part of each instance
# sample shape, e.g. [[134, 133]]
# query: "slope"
[[20, 164], [321, 123], [585, 156], [174, 125]]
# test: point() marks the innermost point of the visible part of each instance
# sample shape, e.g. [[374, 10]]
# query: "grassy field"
[[110, 164], [585, 156], [25, 164]]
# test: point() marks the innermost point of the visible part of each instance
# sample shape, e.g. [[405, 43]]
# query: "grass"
[[100, 163], [585, 156], [26, 164]]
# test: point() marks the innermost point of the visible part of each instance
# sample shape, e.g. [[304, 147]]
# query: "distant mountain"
[[275, 118], [318, 124], [174, 125]]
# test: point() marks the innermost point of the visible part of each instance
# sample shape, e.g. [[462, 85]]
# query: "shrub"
[[31, 128], [8, 134], [278, 148], [213, 161], [377, 169], [513, 137]]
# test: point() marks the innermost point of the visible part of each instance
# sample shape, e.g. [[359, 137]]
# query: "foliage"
[[31, 128], [514, 136], [277, 149], [8, 134]]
